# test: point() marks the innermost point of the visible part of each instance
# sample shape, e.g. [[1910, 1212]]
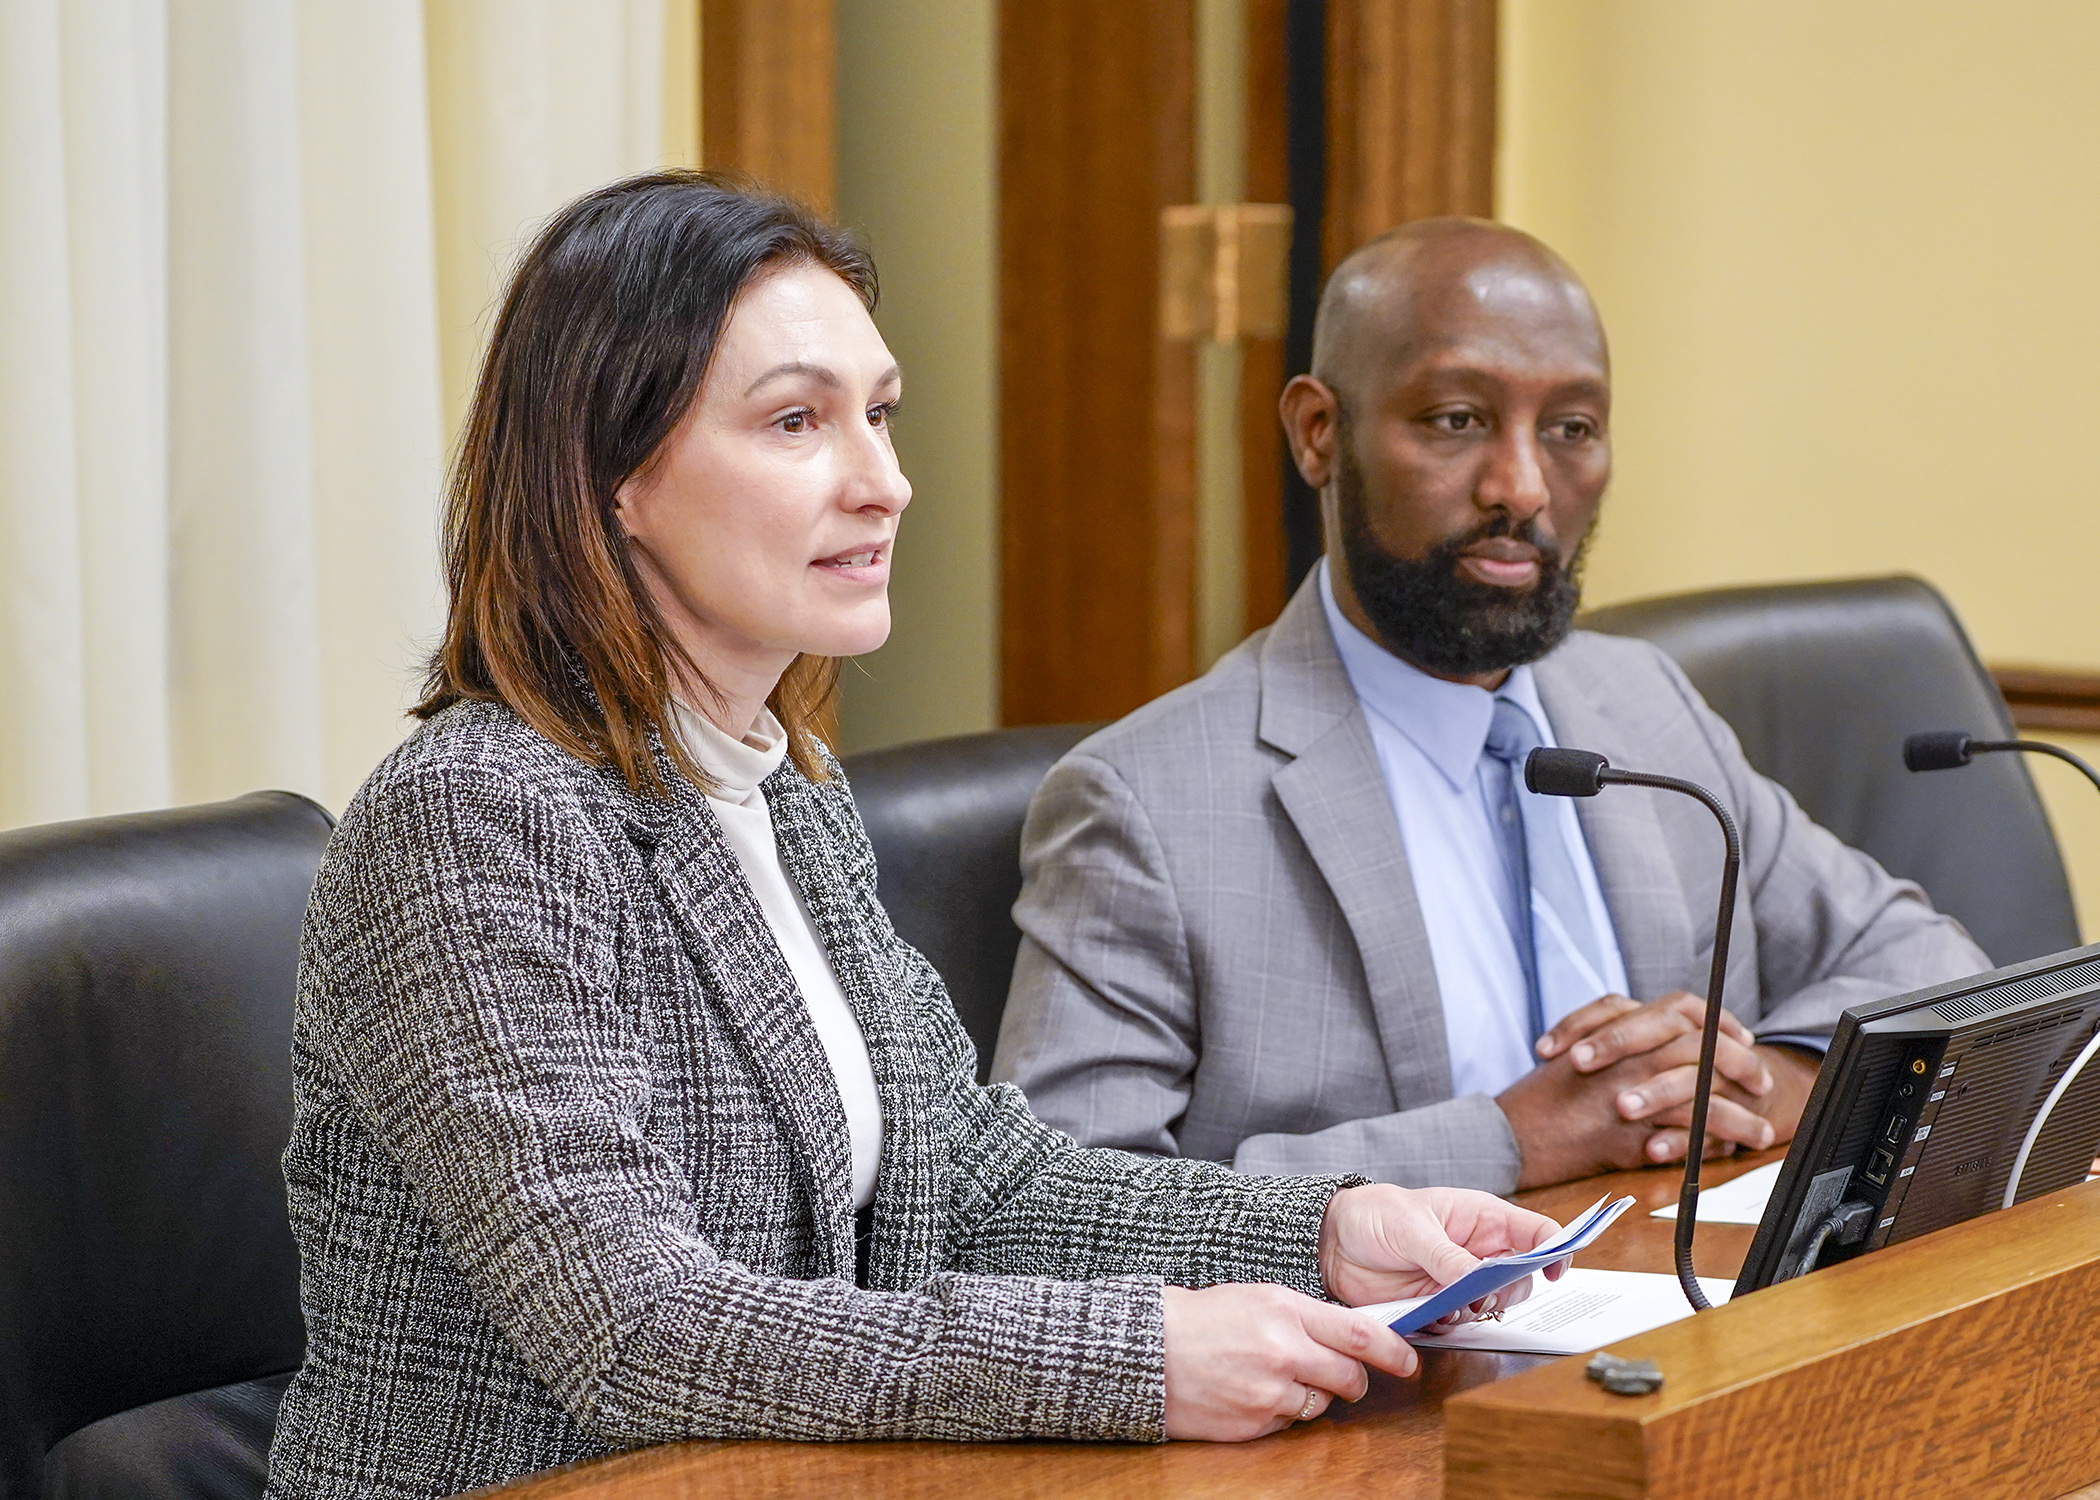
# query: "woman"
[[622, 1113]]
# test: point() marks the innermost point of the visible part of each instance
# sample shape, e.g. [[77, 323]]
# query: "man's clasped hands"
[[1613, 1089]]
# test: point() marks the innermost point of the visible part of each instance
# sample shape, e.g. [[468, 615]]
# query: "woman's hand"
[[1381, 1243], [1246, 1361]]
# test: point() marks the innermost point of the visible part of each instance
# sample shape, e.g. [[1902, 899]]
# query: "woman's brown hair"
[[604, 336]]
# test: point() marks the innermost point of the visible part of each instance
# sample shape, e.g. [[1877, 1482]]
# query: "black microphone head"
[[1936, 750], [1565, 773]]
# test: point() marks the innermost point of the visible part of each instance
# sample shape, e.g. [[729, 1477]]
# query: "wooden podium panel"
[[1966, 1363]]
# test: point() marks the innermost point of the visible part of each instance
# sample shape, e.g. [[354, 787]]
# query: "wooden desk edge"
[[1796, 1322], [1818, 1371]]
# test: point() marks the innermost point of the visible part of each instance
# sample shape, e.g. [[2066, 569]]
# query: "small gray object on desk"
[[1624, 1377]]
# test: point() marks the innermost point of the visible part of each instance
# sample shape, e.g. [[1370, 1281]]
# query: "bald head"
[[1456, 424], [1435, 282]]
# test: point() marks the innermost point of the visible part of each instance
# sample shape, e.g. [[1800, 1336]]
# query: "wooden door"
[[1362, 114], [1097, 411], [768, 95]]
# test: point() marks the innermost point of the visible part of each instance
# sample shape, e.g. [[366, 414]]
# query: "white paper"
[[1741, 1200], [1583, 1311]]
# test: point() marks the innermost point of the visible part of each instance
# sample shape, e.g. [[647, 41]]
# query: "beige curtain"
[[246, 252]]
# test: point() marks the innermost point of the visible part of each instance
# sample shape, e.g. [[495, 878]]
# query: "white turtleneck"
[[738, 767]]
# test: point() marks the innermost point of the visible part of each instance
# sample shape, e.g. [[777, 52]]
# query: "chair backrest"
[[147, 967], [945, 819], [1821, 682]]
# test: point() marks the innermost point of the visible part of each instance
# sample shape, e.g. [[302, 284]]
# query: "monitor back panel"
[[1986, 1091], [1921, 1105]]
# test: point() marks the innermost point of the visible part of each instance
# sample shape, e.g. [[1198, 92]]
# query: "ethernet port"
[[1879, 1166]]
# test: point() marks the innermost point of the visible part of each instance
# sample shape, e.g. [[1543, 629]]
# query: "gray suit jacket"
[[569, 1171], [1222, 954]]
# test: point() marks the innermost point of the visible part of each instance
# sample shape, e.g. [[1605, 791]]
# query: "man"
[[1301, 916]]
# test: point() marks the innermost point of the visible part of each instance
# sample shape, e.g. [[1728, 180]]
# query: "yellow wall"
[[917, 179], [1845, 253], [1221, 177]]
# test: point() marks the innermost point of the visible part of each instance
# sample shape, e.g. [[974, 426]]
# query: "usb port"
[[1894, 1134], [1878, 1168]]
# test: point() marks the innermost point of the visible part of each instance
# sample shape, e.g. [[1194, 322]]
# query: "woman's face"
[[765, 523]]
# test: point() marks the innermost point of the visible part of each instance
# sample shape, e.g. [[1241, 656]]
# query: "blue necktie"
[[1555, 940]]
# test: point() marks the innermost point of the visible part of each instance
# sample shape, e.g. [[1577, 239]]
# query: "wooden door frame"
[[1097, 411], [769, 94]]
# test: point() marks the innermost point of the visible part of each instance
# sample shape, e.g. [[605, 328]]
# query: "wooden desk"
[[1390, 1444]]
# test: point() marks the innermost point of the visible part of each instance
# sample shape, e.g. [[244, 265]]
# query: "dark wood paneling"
[[1097, 413], [1262, 360], [768, 97], [2049, 698], [1398, 123], [1305, 133], [1410, 114]]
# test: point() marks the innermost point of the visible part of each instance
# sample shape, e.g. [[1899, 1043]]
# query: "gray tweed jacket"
[[569, 1173]]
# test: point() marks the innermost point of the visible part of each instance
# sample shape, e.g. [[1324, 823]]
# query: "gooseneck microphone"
[[1584, 773], [1950, 749]]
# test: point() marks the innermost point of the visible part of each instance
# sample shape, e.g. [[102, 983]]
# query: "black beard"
[[1431, 614]]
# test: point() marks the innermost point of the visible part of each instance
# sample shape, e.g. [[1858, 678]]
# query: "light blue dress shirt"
[[1430, 736]]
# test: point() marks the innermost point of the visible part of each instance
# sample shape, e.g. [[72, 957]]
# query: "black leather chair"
[[149, 1288], [945, 819], [1821, 682]]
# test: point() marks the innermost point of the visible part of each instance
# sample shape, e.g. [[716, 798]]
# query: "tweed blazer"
[[1223, 956], [569, 1171]]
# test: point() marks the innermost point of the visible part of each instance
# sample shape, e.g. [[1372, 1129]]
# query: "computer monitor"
[[1925, 1102]]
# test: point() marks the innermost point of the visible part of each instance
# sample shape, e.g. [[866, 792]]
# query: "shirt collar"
[[1446, 721], [736, 766]]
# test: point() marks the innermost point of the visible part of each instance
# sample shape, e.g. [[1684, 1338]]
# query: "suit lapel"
[[913, 1172], [1623, 828], [1335, 795], [744, 975]]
